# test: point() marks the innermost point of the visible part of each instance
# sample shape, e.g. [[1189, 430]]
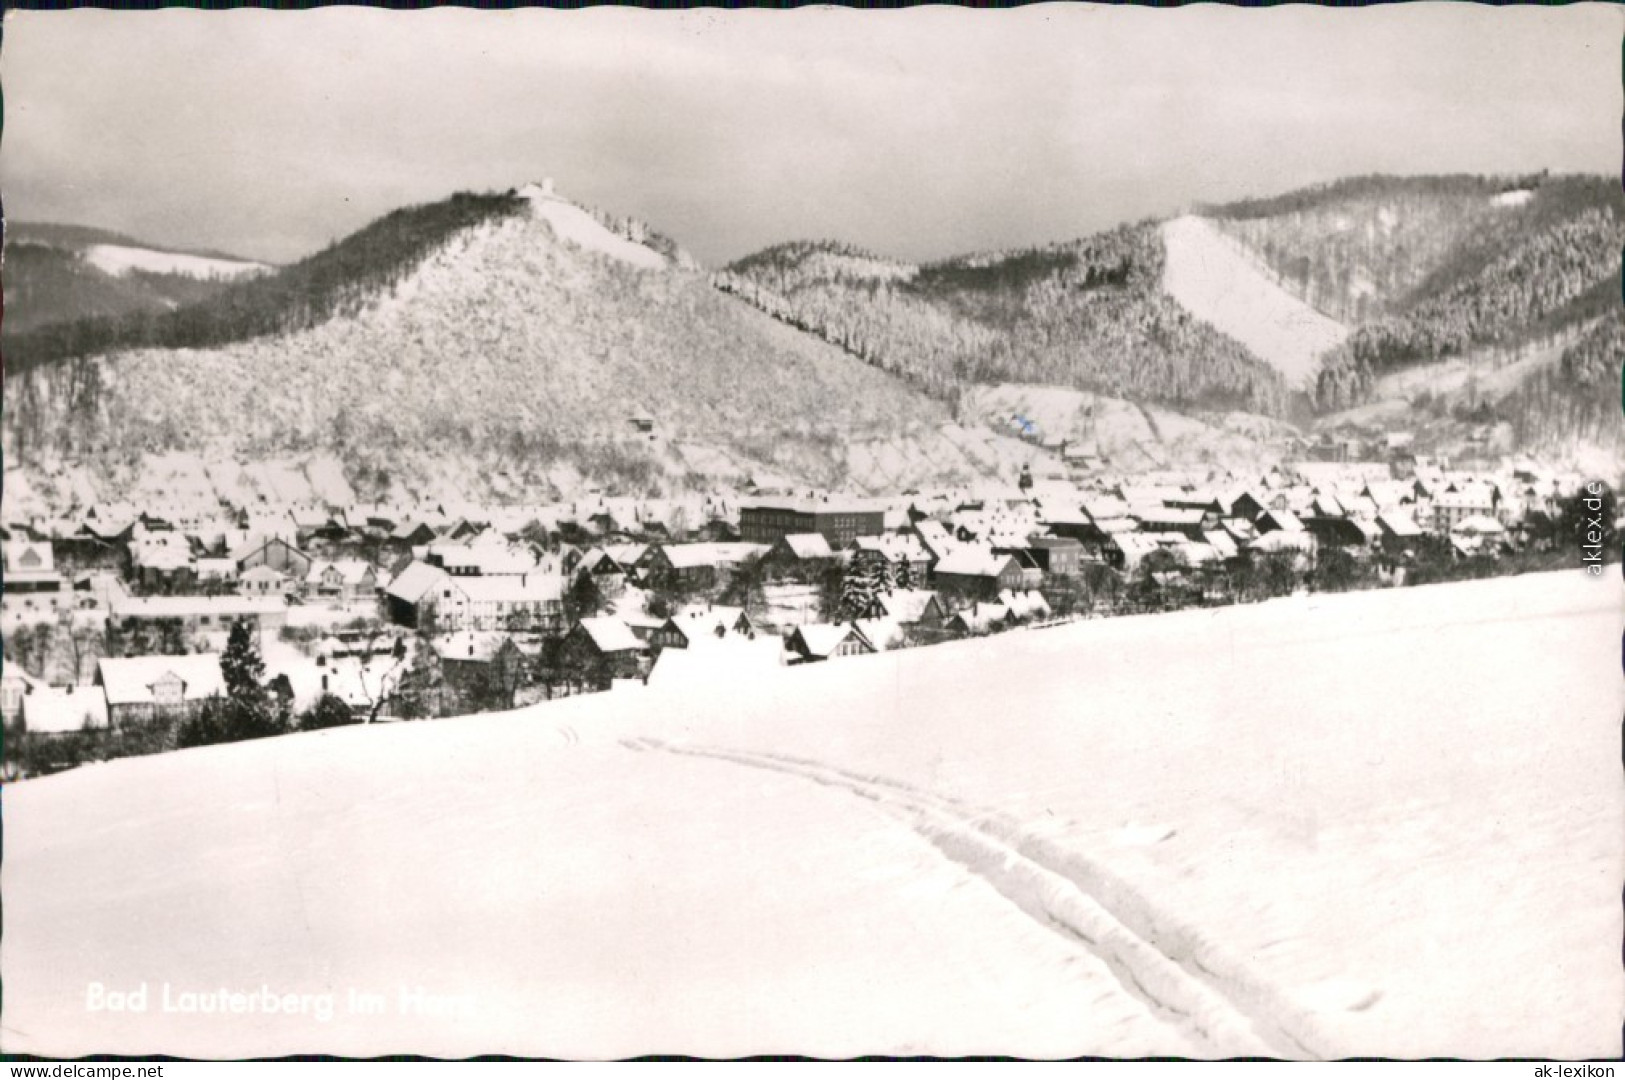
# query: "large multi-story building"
[[840, 521]]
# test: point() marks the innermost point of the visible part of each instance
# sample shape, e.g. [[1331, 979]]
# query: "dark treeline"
[[1359, 187]]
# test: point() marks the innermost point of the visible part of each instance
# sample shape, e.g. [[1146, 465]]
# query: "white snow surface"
[[1382, 823], [1218, 282], [574, 225], [119, 260]]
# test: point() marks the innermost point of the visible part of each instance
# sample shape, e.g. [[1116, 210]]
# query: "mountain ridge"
[[490, 332]]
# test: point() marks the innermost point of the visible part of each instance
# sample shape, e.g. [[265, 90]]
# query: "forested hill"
[[487, 341], [1432, 268], [1402, 272], [1089, 314]]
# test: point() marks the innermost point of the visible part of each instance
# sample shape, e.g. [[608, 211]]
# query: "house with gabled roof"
[[816, 642], [1024, 606], [1126, 550], [694, 566], [275, 552], [709, 617], [909, 607], [346, 580], [31, 579], [1277, 520], [703, 626], [409, 596], [976, 571], [606, 648], [903, 551], [979, 618], [158, 689], [1398, 531], [501, 602], [799, 553], [265, 581]]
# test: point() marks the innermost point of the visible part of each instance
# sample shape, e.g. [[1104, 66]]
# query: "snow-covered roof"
[[1166, 516], [508, 588], [1135, 545], [417, 579], [896, 547], [691, 556], [1474, 497], [1284, 520], [821, 639], [129, 680], [706, 619], [1479, 525], [881, 634], [254, 543], [981, 616], [808, 545], [1221, 543], [1283, 540], [185, 607], [1398, 524], [1024, 605], [973, 560], [58, 712], [610, 634], [350, 571], [906, 605], [625, 555]]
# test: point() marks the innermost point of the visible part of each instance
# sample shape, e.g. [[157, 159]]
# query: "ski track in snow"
[[1185, 980]]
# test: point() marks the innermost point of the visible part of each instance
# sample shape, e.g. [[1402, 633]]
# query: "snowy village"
[[118, 623]]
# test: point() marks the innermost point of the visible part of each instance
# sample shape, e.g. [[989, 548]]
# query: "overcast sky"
[[918, 133]]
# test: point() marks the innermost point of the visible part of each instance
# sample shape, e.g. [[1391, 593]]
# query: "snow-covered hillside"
[[119, 260], [1215, 279], [575, 225], [514, 352], [1372, 824]]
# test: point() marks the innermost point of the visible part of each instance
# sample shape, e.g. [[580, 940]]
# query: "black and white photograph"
[[1076, 531]]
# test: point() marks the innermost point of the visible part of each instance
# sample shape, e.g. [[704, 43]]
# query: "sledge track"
[[1182, 977]]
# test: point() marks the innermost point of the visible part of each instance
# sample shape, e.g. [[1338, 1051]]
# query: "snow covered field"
[[119, 260], [1373, 824]]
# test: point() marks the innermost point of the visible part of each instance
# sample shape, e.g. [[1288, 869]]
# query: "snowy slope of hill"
[[507, 360], [1214, 279], [574, 224], [1126, 837]]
